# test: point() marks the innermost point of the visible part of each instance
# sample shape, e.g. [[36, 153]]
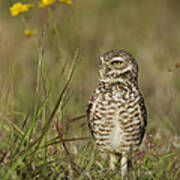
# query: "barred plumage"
[[116, 111]]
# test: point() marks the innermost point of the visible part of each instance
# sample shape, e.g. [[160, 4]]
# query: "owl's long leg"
[[124, 167], [112, 160]]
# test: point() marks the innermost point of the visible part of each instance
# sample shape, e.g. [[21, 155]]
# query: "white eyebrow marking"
[[117, 58]]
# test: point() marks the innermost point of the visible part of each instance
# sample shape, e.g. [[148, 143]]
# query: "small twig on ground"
[[72, 120]]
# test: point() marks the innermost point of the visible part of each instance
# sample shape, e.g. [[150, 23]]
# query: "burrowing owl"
[[116, 111]]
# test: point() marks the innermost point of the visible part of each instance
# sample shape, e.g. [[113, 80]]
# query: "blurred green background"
[[150, 30], [34, 71]]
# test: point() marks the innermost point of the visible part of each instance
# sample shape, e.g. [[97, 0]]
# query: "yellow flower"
[[18, 8], [69, 2], [45, 3], [28, 33]]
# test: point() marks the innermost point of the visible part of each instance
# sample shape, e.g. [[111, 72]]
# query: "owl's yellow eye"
[[116, 63]]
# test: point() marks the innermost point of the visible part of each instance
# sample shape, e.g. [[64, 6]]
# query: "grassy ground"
[[46, 80]]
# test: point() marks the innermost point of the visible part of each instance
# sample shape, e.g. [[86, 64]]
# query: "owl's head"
[[118, 65]]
